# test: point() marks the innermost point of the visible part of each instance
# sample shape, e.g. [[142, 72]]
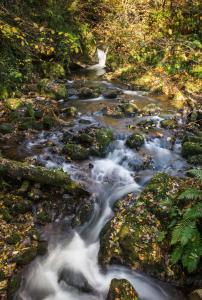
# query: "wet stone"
[[135, 141], [121, 289]]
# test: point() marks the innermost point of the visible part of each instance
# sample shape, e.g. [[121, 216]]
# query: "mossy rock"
[[195, 159], [13, 239], [4, 92], [151, 109], [121, 289], [13, 103], [86, 92], [2, 275], [42, 248], [5, 213], [135, 141], [59, 90], [6, 128], [13, 285], [190, 149], [111, 93], [43, 217], [30, 123], [71, 111], [76, 152], [104, 137], [53, 70], [48, 122], [129, 108], [169, 123], [85, 138], [26, 257]]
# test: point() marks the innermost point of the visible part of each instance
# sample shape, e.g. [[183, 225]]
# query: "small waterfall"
[[102, 57]]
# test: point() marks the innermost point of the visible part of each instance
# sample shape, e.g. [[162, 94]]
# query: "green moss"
[[104, 137], [6, 128], [6, 214], [76, 152], [13, 103], [135, 141], [190, 149], [26, 257], [13, 239], [43, 217], [13, 286], [195, 159], [53, 70], [121, 289], [170, 124], [48, 122], [71, 111], [129, 108]]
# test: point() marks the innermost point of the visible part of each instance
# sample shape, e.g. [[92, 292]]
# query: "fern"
[[195, 173], [194, 212], [177, 254], [191, 194], [192, 254], [183, 232]]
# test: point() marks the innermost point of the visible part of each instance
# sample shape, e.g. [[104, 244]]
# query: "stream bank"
[[112, 140]]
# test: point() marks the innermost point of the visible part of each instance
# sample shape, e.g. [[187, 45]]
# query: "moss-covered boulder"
[[104, 137], [151, 109], [129, 108], [190, 148], [76, 152], [13, 103], [111, 93], [26, 257], [86, 92], [53, 70], [71, 111], [139, 236], [169, 123], [135, 141], [122, 290], [6, 128]]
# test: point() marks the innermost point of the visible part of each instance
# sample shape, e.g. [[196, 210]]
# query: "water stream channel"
[[70, 270]]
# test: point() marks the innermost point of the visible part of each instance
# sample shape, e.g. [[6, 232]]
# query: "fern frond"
[[194, 212], [183, 232], [176, 254], [191, 194], [195, 173], [192, 254]]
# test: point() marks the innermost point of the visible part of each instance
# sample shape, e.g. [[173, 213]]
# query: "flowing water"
[[70, 270]]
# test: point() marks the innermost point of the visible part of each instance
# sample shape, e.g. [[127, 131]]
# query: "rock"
[[191, 148], [53, 70], [196, 295], [26, 257], [85, 93], [85, 138], [6, 128], [13, 103], [195, 159], [48, 122], [71, 111], [59, 90], [104, 137], [169, 123], [129, 108], [13, 239], [13, 285], [135, 141], [111, 93], [151, 109], [121, 289], [76, 152]]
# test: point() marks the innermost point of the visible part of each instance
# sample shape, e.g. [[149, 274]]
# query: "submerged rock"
[[135, 141], [86, 92], [111, 93], [121, 289], [151, 109]]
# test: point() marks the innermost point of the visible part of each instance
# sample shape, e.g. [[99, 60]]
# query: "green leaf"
[[176, 254]]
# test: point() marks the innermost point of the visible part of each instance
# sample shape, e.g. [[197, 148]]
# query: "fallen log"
[[21, 170]]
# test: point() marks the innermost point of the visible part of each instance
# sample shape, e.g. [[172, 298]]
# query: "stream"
[[70, 270]]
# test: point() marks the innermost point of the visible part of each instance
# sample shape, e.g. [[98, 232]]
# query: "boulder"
[[121, 289], [129, 108], [169, 123], [76, 152], [136, 140], [86, 92], [53, 70], [196, 295]]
